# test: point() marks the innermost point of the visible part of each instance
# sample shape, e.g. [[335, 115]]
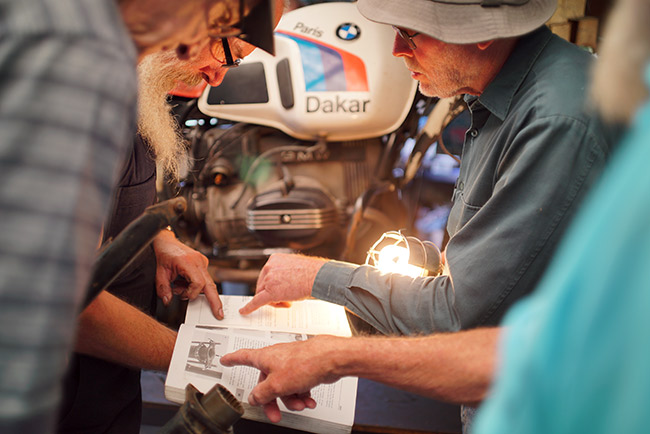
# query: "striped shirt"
[[67, 114]]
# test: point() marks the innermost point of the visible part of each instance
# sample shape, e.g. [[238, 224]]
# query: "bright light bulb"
[[395, 259]]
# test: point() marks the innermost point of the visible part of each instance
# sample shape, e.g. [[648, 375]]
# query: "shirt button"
[[461, 185], [473, 132]]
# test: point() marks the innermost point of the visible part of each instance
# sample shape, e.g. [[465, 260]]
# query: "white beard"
[[157, 75]]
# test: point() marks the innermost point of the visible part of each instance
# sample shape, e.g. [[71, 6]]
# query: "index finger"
[[212, 295], [239, 357], [260, 299]]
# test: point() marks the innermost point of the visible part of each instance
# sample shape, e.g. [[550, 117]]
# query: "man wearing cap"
[[531, 153]]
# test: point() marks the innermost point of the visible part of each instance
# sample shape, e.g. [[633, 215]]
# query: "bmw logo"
[[348, 32]]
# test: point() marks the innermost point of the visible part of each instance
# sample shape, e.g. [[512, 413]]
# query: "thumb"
[[262, 393], [260, 299]]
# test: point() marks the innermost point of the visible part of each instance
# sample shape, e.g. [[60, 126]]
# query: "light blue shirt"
[[576, 356]]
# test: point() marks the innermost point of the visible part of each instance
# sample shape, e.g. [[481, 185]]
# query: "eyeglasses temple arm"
[[226, 50]]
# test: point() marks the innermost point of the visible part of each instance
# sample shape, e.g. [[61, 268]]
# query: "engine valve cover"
[[299, 217]]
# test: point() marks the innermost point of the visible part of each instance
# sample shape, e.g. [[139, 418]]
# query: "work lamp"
[[397, 253]]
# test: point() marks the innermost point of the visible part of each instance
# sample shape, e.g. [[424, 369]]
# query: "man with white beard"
[[117, 336]]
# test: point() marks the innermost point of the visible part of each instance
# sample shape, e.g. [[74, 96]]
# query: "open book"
[[202, 340]]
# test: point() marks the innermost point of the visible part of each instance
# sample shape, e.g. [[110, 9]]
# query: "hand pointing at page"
[[284, 278]]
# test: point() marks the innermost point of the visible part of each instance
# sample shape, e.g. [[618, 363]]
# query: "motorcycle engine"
[[263, 191]]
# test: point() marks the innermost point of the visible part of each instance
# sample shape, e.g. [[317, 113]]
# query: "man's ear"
[[483, 45]]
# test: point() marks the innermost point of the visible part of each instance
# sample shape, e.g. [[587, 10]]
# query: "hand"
[[175, 260], [285, 277], [289, 372]]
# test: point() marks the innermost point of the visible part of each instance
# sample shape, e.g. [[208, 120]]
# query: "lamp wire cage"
[[424, 255]]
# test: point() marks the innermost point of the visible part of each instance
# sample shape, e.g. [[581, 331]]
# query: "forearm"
[[392, 303], [112, 329], [452, 367]]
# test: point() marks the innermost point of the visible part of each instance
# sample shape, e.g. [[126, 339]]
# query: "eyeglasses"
[[220, 50], [406, 37], [219, 45]]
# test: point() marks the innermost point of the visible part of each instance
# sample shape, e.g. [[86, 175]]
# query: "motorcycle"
[[298, 152]]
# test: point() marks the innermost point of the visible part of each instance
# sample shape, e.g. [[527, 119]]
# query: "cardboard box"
[[567, 10], [563, 30]]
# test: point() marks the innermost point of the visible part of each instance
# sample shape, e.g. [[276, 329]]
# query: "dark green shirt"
[[530, 155]]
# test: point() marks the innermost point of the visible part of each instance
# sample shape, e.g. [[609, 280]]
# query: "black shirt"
[[100, 396]]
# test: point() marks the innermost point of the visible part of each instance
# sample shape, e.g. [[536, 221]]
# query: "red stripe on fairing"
[[353, 67], [355, 72]]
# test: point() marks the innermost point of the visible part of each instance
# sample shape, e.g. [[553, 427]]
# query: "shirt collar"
[[498, 95]]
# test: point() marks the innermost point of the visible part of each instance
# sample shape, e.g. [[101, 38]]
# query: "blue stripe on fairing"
[[322, 66]]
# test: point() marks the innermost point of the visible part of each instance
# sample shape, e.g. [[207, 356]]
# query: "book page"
[[313, 316], [196, 360]]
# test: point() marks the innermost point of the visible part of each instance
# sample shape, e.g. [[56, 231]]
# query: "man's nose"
[[214, 74], [401, 48]]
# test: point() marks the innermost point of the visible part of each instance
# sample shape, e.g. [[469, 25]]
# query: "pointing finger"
[[239, 357], [260, 299], [212, 295]]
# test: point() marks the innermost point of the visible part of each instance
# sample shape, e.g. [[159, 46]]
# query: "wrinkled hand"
[[175, 260], [285, 277], [288, 372]]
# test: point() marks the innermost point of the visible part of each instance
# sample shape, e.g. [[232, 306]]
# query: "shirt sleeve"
[[386, 300]]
